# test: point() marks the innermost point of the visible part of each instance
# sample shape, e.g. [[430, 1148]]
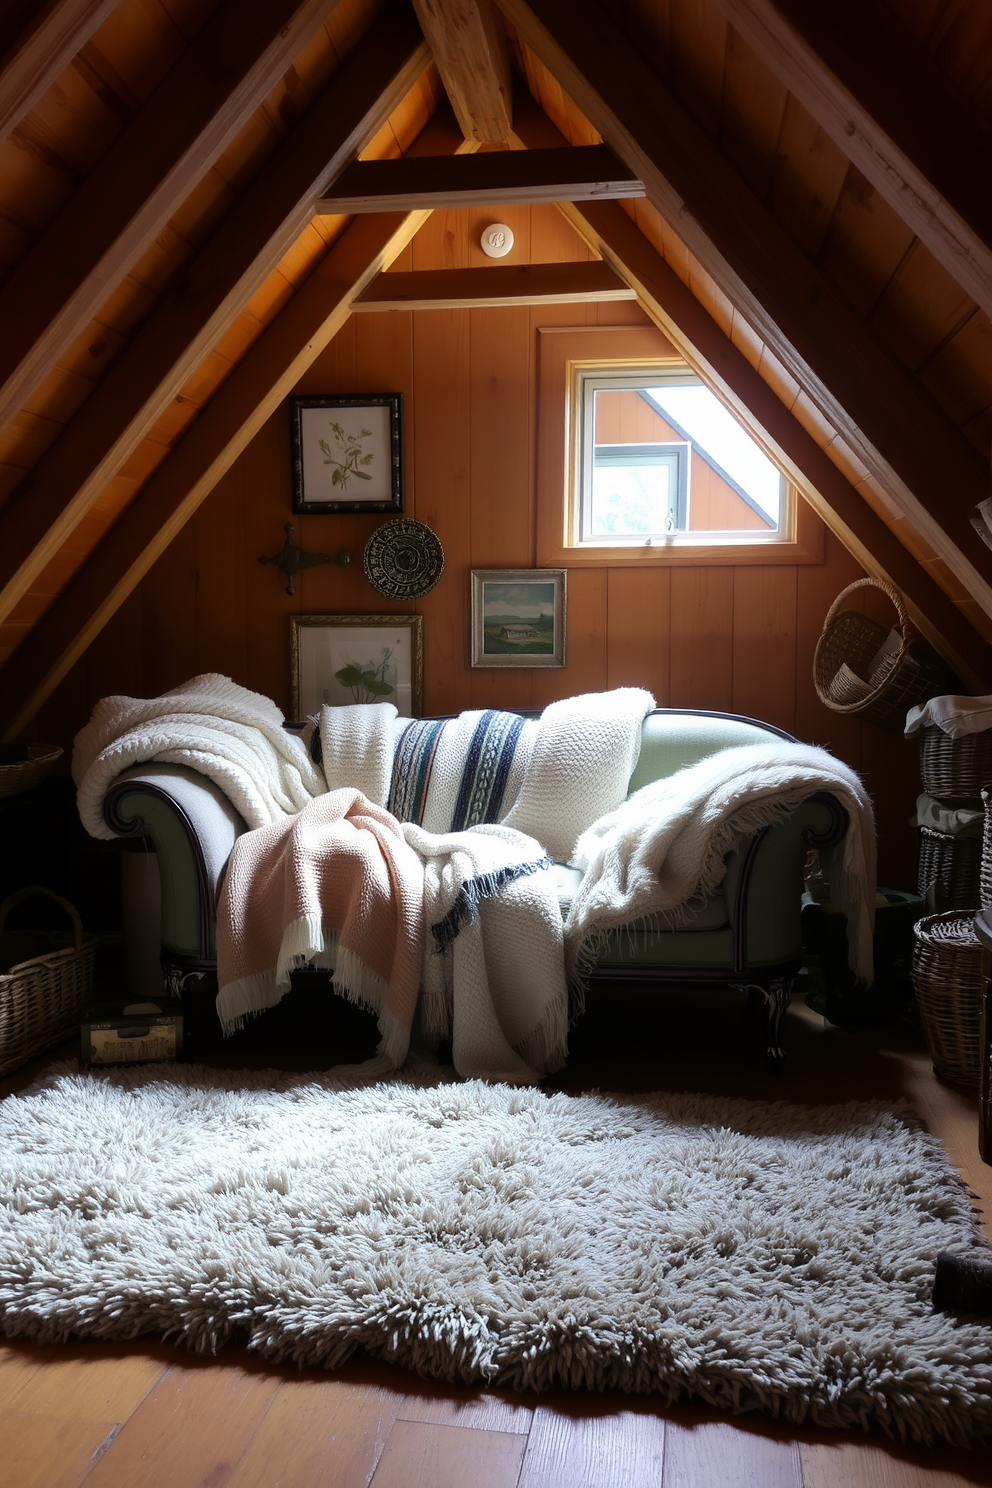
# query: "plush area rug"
[[757, 1256]]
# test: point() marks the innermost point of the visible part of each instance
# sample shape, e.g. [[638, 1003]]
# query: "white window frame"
[[588, 379]]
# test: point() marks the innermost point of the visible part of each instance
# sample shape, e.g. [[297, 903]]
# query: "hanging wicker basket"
[[855, 673]]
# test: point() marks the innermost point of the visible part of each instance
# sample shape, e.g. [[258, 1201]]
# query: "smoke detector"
[[497, 240]]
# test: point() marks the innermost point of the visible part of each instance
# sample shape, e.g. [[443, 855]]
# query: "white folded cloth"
[[956, 715]]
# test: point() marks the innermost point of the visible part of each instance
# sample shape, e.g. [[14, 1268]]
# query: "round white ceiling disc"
[[497, 240]]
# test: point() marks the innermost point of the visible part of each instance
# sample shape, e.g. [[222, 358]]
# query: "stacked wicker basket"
[[956, 871]]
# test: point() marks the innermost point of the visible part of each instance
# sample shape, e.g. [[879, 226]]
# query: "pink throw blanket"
[[334, 886]]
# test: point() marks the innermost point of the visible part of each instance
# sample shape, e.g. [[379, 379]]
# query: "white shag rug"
[[759, 1257]]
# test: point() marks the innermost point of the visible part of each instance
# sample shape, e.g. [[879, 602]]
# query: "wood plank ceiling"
[[803, 207]]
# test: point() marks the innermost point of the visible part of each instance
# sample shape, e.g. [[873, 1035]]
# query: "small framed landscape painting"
[[518, 617], [339, 659], [347, 453]]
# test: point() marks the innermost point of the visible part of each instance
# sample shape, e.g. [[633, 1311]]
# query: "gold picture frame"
[[382, 655]]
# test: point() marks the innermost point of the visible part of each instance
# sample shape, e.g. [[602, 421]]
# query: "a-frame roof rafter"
[[928, 468], [224, 75], [60, 30], [244, 249], [263, 378], [879, 95]]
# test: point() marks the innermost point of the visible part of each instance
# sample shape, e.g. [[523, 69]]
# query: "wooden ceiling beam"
[[877, 92], [224, 75], [892, 424], [500, 285], [469, 47], [60, 30], [253, 392], [248, 244], [498, 177], [676, 312]]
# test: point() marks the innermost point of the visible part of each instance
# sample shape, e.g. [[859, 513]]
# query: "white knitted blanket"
[[356, 745], [662, 852], [580, 765], [493, 980], [210, 724]]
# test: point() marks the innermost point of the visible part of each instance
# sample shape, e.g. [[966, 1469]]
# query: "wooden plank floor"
[[146, 1415]]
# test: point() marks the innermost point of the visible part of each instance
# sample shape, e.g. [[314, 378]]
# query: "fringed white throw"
[[771, 1258], [662, 852], [211, 725]]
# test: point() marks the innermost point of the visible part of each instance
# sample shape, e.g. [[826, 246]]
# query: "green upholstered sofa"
[[748, 934]]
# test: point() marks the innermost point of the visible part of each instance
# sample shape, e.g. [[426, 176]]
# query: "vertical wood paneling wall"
[[736, 638]]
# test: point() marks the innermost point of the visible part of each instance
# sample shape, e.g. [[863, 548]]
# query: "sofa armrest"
[[192, 826], [767, 913]]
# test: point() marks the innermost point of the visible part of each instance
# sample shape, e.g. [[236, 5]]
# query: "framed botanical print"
[[339, 659], [347, 453]]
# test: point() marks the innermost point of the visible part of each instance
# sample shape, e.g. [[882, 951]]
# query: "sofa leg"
[[775, 996]]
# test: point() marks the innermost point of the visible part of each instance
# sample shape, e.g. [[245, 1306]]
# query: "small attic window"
[[659, 460]]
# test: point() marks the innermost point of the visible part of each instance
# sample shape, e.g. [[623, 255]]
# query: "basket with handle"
[[854, 673], [46, 979]]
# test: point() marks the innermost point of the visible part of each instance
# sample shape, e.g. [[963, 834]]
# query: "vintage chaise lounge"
[[748, 934]]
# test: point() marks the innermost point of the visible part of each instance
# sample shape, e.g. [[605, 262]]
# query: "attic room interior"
[[504, 251]]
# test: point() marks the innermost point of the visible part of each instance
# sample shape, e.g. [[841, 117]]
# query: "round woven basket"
[[24, 774], [849, 676], [954, 864], [955, 769], [949, 986]]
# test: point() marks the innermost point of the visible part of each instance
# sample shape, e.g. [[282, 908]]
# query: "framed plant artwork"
[[347, 453], [518, 617], [357, 659]]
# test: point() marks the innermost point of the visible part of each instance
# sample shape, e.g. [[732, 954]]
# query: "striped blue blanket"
[[452, 774]]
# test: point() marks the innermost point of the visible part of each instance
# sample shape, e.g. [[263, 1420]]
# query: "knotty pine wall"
[[735, 638]]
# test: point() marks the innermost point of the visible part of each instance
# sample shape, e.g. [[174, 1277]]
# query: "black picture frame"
[[347, 453]]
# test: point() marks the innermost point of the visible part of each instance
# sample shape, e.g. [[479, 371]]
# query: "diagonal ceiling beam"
[[220, 80], [264, 377], [481, 180], [259, 229], [874, 88], [606, 227], [469, 46], [891, 423], [47, 45]]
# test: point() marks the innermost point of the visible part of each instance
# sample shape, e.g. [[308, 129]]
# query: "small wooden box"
[[132, 1033]]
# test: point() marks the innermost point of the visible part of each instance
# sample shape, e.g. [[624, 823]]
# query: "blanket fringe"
[[472, 893]]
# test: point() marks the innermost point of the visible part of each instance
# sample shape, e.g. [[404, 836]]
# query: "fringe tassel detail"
[[474, 890]]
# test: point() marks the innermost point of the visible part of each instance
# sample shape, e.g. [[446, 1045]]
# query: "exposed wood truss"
[[894, 427], [219, 82], [874, 89], [466, 37], [244, 249], [503, 284], [478, 180], [35, 61], [255, 389]]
